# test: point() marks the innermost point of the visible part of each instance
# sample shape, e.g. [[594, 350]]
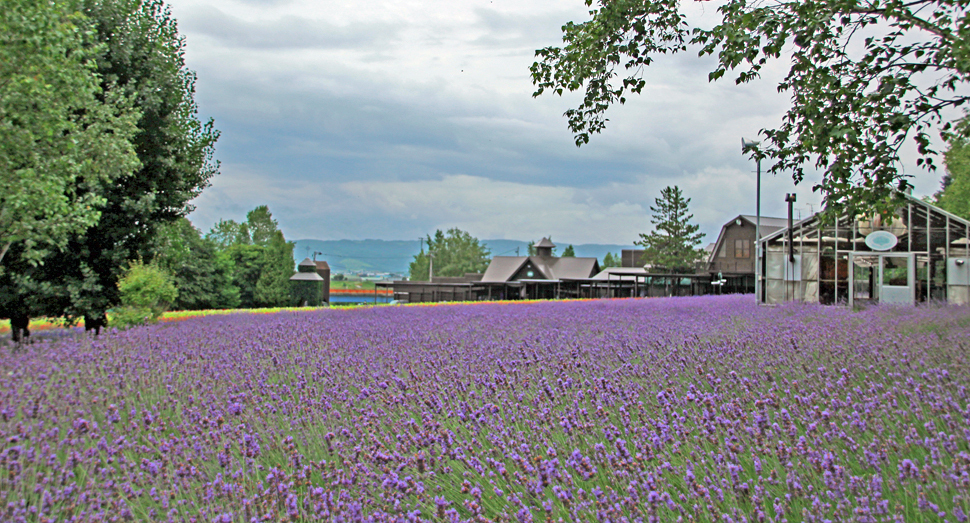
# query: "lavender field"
[[693, 409]]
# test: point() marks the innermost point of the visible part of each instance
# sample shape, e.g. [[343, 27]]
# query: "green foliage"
[[261, 258], [146, 291], [569, 252], [142, 56], [63, 138], [672, 244], [201, 272], [455, 253], [228, 232], [273, 287], [610, 260], [261, 225], [955, 194], [247, 263], [306, 293], [863, 78]]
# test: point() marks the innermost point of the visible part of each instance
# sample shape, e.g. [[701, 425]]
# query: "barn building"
[[732, 259]]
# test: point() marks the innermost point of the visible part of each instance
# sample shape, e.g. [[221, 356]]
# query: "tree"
[[610, 261], [954, 195], [63, 136], [143, 56], [455, 253], [273, 286], [228, 232], [672, 244], [569, 252], [200, 270], [864, 78], [261, 225], [247, 261]]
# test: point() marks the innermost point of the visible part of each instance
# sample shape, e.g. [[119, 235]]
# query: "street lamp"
[[746, 147]]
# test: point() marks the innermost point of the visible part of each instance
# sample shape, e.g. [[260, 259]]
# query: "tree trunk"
[[19, 324], [94, 322]]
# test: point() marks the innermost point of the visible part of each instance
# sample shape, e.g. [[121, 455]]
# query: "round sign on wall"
[[881, 240]]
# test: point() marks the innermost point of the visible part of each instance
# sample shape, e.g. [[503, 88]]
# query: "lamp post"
[[752, 146]]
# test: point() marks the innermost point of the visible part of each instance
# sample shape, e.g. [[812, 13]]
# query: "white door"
[[897, 279]]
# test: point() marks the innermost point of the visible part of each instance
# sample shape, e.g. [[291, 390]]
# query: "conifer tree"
[[672, 246]]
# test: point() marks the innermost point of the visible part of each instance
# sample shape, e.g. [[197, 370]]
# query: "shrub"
[[146, 292]]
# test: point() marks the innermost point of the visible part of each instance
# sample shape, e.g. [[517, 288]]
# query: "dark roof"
[[545, 242], [503, 268], [307, 262]]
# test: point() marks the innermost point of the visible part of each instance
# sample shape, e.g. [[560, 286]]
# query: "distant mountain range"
[[397, 255]]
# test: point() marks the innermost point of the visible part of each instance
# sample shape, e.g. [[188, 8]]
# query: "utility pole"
[[430, 266], [752, 146]]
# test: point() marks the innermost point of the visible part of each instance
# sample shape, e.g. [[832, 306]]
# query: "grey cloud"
[[509, 29], [287, 32]]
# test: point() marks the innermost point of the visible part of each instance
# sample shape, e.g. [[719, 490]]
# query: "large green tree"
[[955, 193], [143, 56], [64, 136], [455, 253], [672, 245], [865, 77]]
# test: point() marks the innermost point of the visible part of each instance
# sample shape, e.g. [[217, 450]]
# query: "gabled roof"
[[504, 268], [573, 268], [912, 199], [769, 224]]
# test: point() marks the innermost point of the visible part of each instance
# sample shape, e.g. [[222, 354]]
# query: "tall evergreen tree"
[[569, 252], [672, 246]]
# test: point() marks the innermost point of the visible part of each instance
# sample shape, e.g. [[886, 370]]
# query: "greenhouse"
[[918, 255]]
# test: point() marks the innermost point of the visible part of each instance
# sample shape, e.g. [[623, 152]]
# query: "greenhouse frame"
[[919, 255]]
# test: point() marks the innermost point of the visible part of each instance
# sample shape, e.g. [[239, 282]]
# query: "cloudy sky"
[[390, 119]]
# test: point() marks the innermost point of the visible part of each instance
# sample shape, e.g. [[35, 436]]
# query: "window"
[[742, 249]]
